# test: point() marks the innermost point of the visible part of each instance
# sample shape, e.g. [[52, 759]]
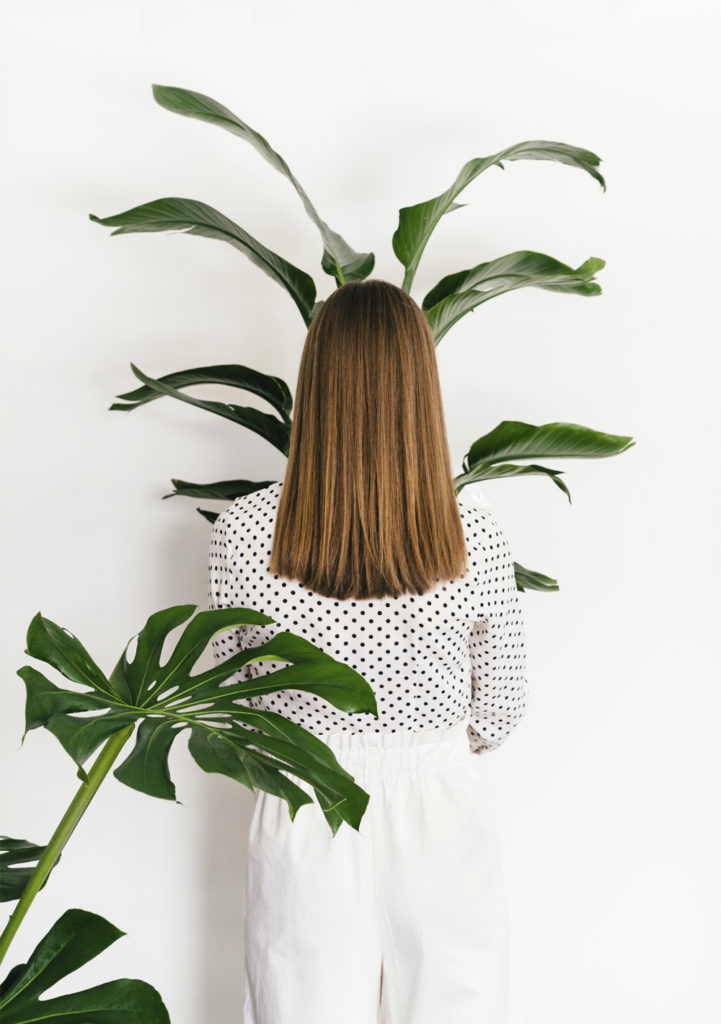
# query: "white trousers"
[[402, 922]]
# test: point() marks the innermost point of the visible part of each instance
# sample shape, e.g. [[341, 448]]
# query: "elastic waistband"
[[375, 753]]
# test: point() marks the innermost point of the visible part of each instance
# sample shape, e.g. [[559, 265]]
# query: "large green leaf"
[[339, 260], [273, 389], [459, 293], [196, 218], [513, 439], [18, 858], [417, 223], [254, 747], [269, 427], [76, 938], [222, 490]]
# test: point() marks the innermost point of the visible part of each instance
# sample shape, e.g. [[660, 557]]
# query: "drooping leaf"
[[196, 218], [251, 746], [216, 753], [515, 439], [273, 389], [18, 858], [339, 260], [148, 759], [269, 427], [76, 938], [492, 471], [223, 490], [460, 293], [208, 514], [528, 579], [417, 223]]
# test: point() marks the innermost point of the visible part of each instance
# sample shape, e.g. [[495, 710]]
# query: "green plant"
[[445, 304], [259, 749], [17, 857], [76, 938]]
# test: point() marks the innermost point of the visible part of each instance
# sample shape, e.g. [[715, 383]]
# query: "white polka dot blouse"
[[430, 658]]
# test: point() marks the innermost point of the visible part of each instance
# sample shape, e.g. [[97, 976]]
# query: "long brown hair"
[[368, 507]]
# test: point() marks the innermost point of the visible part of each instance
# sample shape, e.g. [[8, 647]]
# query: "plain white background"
[[607, 795]]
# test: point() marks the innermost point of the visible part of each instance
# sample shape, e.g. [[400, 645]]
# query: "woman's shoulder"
[[472, 499], [475, 510], [483, 532], [264, 494], [258, 505]]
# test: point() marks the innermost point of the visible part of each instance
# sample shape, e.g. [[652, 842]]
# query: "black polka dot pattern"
[[429, 658]]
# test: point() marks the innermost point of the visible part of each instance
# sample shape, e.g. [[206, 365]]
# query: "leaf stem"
[[78, 805]]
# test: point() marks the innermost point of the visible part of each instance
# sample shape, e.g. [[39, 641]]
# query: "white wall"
[[608, 793]]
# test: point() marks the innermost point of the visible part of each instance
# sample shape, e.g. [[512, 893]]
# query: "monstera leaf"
[[18, 858], [339, 260], [257, 748], [76, 938], [417, 223]]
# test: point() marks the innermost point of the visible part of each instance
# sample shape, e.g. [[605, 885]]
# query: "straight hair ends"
[[368, 508]]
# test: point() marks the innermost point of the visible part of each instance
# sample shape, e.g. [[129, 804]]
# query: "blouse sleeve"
[[499, 691], [221, 593]]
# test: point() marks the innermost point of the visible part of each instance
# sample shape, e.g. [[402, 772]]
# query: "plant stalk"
[[79, 804]]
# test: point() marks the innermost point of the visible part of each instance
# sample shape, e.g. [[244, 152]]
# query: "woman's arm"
[[499, 688], [221, 591]]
